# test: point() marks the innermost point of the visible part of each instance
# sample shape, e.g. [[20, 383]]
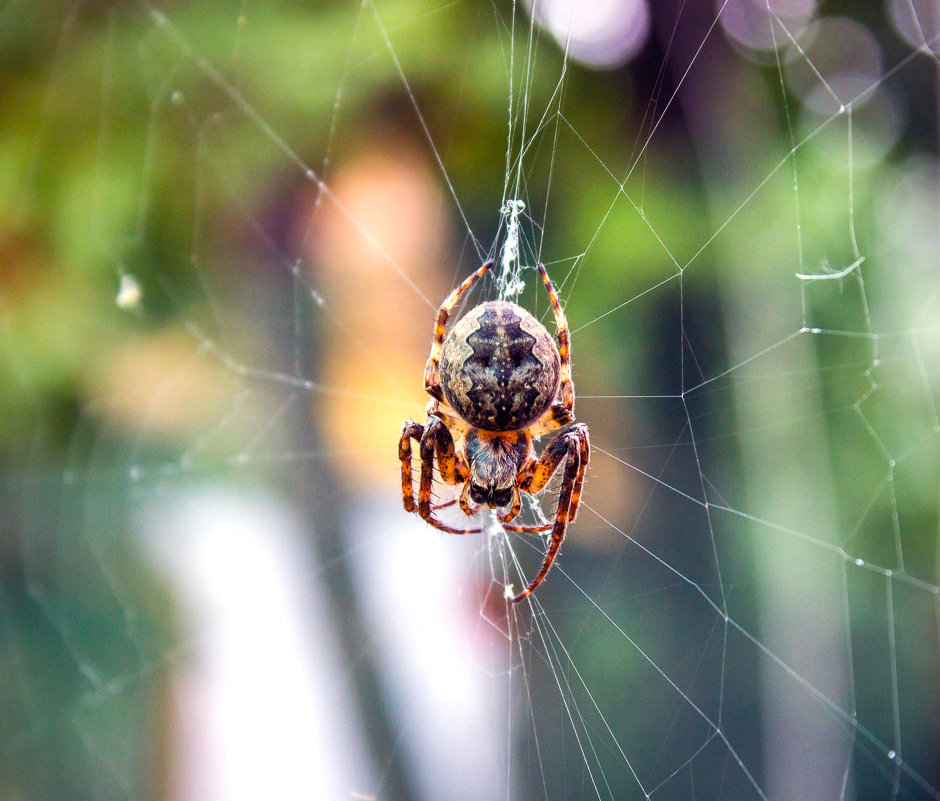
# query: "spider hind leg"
[[574, 447]]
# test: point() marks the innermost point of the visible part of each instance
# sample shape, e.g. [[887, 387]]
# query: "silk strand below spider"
[[497, 382]]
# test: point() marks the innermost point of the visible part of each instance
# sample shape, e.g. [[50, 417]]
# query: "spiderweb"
[[225, 231]]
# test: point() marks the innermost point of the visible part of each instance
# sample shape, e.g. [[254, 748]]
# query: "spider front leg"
[[435, 441], [410, 430], [573, 446], [431, 381]]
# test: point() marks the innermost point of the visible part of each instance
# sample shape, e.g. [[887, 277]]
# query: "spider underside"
[[497, 382]]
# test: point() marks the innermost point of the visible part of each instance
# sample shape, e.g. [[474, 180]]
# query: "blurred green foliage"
[[133, 142]]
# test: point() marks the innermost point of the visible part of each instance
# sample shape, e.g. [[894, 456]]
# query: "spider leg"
[[566, 385], [561, 412], [437, 441], [412, 430], [514, 511], [431, 381], [585, 454], [555, 417], [529, 529], [541, 471], [450, 529], [573, 445]]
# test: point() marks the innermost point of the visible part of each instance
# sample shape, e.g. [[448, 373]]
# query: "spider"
[[495, 383]]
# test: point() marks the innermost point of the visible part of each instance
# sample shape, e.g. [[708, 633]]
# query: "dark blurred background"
[[225, 229]]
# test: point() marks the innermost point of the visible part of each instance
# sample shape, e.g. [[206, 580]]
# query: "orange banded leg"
[[570, 446], [541, 472], [564, 345], [543, 468], [437, 441], [556, 416], [431, 382], [529, 529], [410, 430], [585, 454], [514, 511]]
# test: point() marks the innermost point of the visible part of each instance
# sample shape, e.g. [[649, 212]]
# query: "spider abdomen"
[[499, 368]]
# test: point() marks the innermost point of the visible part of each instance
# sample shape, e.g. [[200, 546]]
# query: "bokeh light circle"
[[917, 22], [760, 27], [834, 62], [601, 34]]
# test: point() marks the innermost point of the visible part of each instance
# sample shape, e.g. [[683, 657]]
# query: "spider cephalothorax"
[[495, 383]]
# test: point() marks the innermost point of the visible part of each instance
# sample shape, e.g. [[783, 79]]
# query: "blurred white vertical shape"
[[602, 34], [805, 671], [836, 61], [260, 705], [444, 666], [802, 620], [764, 25], [917, 22], [908, 212], [129, 293]]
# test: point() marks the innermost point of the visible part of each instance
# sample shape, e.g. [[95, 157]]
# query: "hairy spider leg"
[[579, 482], [410, 430], [534, 478], [430, 441], [432, 383], [534, 484], [527, 529], [566, 385], [573, 446], [561, 412], [438, 441]]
